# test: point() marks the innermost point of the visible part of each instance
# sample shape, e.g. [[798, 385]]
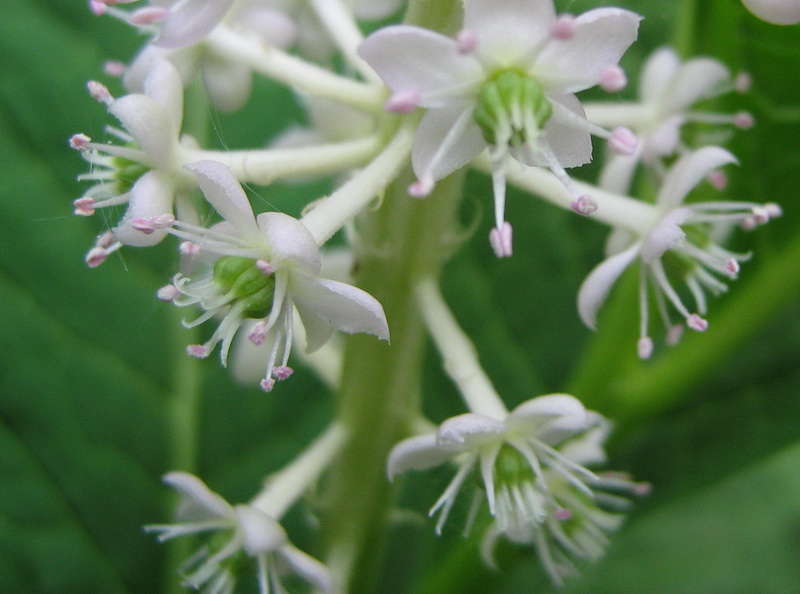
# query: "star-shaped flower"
[[250, 534], [534, 481], [506, 82], [262, 268], [680, 246], [145, 172]]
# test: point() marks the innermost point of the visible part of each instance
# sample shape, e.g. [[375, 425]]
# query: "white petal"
[[185, 61], [777, 12], [657, 75], [418, 60], [508, 29], [469, 430], [664, 139], [152, 195], [260, 532], [164, 84], [695, 80], [198, 492], [689, 171], [601, 37], [587, 449], [290, 242], [445, 142], [665, 235], [149, 124], [595, 288], [416, 453], [225, 194], [572, 146], [342, 306], [308, 568], [192, 22], [228, 83], [536, 412]]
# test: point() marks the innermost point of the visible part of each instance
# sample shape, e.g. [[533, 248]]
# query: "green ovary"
[[512, 467], [242, 279], [511, 101], [127, 173]]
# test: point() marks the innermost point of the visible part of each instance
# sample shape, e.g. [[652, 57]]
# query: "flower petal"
[[469, 430], [164, 84], [587, 449], [695, 80], [601, 37], [531, 415], [260, 532], [657, 75], [150, 125], [152, 195], [572, 146], [225, 194], [689, 171], [228, 84], [197, 492], [446, 140], [595, 288], [417, 60], [416, 453], [665, 235], [190, 23], [508, 29], [777, 12], [290, 242], [340, 305]]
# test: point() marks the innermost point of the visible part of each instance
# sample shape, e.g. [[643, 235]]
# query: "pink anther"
[[168, 292], [501, 240], [282, 372], [732, 267], [584, 205], [744, 120], [742, 82], [114, 68], [613, 79], [696, 323], [402, 102], [188, 248], [84, 207], [645, 347], [200, 351], [564, 28], [264, 267], [718, 179], [623, 141], [99, 92], [422, 187], [466, 41], [674, 335], [96, 256], [79, 142], [267, 384], [259, 333], [563, 514], [149, 15]]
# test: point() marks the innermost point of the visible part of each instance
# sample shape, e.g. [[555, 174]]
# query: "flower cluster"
[[411, 105]]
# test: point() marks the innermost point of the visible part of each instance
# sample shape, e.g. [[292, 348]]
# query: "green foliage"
[[94, 404]]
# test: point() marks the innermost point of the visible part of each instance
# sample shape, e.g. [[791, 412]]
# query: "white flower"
[[262, 268], [668, 91], [145, 172], [680, 246], [531, 466], [777, 12], [250, 533], [507, 82]]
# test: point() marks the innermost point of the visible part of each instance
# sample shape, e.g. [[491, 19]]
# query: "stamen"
[[149, 15], [114, 68], [99, 92], [282, 372], [613, 79], [422, 187], [718, 179], [84, 207], [267, 384], [198, 350], [585, 205], [95, 257], [98, 8], [623, 141], [563, 514], [744, 120], [402, 102], [168, 292], [674, 335], [264, 267], [151, 224], [695, 322], [500, 239], [188, 248], [467, 41], [79, 142], [259, 333], [644, 347], [564, 28], [742, 82]]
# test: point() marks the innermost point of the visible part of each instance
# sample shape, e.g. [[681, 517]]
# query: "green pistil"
[[510, 99], [247, 283], [512, 467], [127, 172], [676, 265]]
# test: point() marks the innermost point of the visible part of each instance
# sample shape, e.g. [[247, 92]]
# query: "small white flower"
[[680, 246], [777, 12], [668, 92], [250, 533], [532, 467], [506, 82], [145, 172], [262, 268]]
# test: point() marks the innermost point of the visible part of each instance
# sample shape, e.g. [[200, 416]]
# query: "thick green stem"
[[403, 241]]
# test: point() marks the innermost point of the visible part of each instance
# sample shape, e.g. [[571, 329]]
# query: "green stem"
[[380, 397], [683, 37]]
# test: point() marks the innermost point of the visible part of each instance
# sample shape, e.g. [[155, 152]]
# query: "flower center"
[[127, 172], [241, 279], [511, 467], [512, 108]]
